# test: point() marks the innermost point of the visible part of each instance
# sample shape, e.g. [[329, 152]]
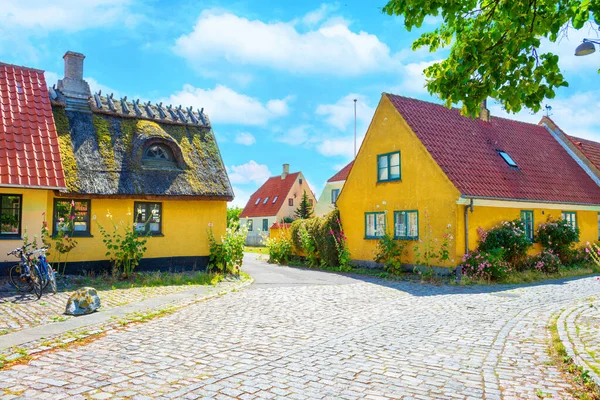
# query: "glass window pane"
[[413, 224], [9, 215], [382, 161], [383, 174], [395, 172], [395, 159], [400, 224], [370, 220], [380, 224]]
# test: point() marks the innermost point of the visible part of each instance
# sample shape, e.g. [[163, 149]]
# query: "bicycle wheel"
[[36, 280], [52, 279], [20, 282]]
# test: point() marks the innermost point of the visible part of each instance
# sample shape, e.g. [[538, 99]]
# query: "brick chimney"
[[484, 113], [73, 85], [286, 171]]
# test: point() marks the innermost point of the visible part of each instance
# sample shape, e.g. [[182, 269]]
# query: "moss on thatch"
[[66, 148]]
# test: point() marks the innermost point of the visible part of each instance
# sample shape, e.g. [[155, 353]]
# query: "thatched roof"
[[102, 153]]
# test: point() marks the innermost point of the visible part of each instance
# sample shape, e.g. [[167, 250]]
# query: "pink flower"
[[66, 236], [71, 217], [72, 203], [587, 250], [331, 232], [61, 220], [44, 213]]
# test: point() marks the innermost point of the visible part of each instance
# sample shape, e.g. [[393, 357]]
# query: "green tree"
[[494, 47], [233, 216], [305, 209]]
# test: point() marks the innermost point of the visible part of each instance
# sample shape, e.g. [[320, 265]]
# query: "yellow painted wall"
[[184, 225], [423, 185]]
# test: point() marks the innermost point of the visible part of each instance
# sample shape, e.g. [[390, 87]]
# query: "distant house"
[[155, 168], [424, 171], [331, 191], [277, 199]]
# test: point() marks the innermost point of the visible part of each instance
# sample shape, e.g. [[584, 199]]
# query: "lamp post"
[[586, 47]]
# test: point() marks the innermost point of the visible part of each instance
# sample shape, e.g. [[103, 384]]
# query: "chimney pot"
[[484, 113], [286, 171]]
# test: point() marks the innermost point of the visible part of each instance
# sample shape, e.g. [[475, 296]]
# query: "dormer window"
[[158, 154], [508, 159]]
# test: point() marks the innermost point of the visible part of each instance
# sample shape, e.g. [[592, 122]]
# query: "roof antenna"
[[548, 109], [354, 128]]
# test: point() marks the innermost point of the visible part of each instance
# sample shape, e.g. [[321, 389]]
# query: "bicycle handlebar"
[[22, 249]]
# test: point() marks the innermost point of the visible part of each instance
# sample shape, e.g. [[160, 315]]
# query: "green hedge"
[[319, 229]]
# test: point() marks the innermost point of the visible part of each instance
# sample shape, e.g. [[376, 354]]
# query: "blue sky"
[[278, 81]]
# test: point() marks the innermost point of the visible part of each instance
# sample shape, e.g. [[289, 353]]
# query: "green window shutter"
[[527, 219]]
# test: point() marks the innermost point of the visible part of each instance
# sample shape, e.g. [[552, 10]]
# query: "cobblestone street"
[[306, 334]]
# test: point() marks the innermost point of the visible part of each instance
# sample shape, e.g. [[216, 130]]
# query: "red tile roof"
[[29, 152], [342, 175], [467, 151], [281, 225], [589, 148], [273, 187]]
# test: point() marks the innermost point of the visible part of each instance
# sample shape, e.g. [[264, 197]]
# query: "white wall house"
[[332, 190], [276, 199]]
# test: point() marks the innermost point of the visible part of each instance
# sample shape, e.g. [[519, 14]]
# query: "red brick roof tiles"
[[589, 148], [467, 151], [29, 154], [342, 175], [273, 187]]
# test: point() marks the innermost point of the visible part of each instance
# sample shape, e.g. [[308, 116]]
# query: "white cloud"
[[241, 197], [413, 78], [295, 136], [577, 114], [312, 18], [67, 15], [245, 138], [248, 173], [224, 105], [341, 113], [343, 146], [331, 48]]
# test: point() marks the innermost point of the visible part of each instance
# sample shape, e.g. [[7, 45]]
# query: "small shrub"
[[488, 266], [227, 256], [510, 237], [324, 250], [389, 252], [125, 247], [280, 247], [309, 246], [546, 262], [558, 236], [342, 248], [580, 257]]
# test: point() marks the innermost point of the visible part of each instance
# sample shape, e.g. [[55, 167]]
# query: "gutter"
[[468, 208], [524, 203]]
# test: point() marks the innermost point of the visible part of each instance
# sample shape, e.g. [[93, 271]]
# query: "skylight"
[[266, 199], [275, 199], [257, 201], [507, 158]]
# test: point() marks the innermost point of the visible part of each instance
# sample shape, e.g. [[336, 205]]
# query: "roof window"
[[266, 199], [508, 159], [257, 201], [275, 199], [158, 155]]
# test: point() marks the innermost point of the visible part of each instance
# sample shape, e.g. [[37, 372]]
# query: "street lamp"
[[585, 48]]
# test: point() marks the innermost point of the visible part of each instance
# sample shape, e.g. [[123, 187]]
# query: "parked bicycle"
[[32, 274]]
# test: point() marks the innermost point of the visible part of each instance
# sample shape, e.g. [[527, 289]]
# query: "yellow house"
[[156, 169], [425, 173]]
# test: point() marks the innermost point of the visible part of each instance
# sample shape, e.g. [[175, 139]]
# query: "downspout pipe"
[[468, 208]]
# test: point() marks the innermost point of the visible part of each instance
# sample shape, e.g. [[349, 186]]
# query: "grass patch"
[[256, 249], [149, 279], [584, 386], [531, 276]]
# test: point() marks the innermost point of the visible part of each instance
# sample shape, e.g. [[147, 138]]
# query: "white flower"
[[383, 202], [449, 225], [377, 206]]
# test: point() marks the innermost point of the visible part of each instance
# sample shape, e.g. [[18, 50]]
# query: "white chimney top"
[[286, 171]]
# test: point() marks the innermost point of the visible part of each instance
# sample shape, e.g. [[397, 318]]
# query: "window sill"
[[155, 235], [7, 237], [373, 237], [389, 180], [407, 238], [81, 235]]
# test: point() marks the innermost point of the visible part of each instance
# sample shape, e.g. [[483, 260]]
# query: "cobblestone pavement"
[[305, 334], [22, 311], [579, 330]]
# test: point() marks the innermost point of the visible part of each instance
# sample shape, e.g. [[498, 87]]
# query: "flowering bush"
[[429, 249], [322, 247], [280, 247], [125, 246], [309, 246], [488, 266], [227, 256], [546, 261], [62, 241], [389, 251], [558, 236], [341, 247], [593, 251], [510, 237]]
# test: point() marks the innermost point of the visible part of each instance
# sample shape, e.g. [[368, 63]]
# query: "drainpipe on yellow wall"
[[467, 209]]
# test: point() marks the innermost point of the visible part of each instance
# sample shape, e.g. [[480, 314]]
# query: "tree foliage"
[[305, 209], [494, 47], [233, 216]]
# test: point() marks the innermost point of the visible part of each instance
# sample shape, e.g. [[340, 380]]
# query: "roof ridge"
[[458, 109], [21, 67]]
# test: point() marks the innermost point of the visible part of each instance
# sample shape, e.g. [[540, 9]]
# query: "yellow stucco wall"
[[184, 225], [423, 185]]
